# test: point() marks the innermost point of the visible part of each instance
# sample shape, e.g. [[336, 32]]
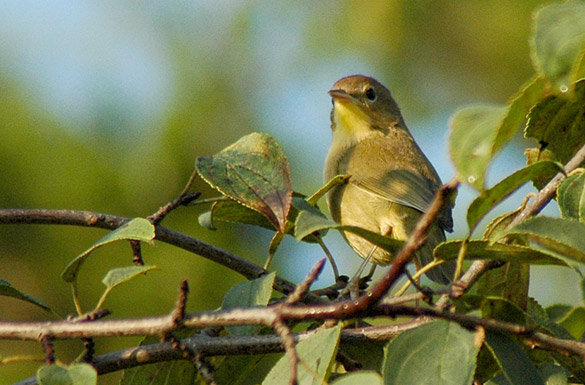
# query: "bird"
[[391, 182]]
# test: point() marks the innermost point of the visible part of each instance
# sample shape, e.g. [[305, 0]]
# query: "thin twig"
[[47, 343], [184, 198], [136, 253], [304, 286], [204, 368], [288, 342], [178, 313]]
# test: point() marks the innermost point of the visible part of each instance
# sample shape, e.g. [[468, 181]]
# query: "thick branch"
[[112, 222]]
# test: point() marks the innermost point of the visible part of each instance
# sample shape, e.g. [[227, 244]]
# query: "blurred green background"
[[104, 106]]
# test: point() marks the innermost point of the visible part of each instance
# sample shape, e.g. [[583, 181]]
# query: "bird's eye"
[[371, 94]]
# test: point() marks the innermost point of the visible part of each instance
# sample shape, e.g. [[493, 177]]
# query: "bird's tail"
[[442, 274]]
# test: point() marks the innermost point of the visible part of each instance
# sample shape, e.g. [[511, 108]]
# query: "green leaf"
[[254, 172], [519, 105], [501, 309], [479, 132], [361, 377], [570, 318], [488, 199], [248, 294], [558, 124], [439, 352], [510, 282], [557, 312], [311, 220], [559, 37], [7, 290], [517, 369], [161, 373], [138, 229], [120, 275], [492, 307], [473, 133], [479, 249], [74, 374], [571, 197], [553, 374], [565, 237], [232, 211], [317, 354], [539, 316]]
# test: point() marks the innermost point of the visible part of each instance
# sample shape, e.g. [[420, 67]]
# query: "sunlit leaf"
[[138, 229], [7, 290], [247, 294], [317, 354], [488, 199], [309, 221], [569, 317], [519, 106], [559, 37], [74, 374], [254, 172], [120, 275], [439, 352], [571, 197], [479, 132], [473, 132], [565, 237], [481, 249], [362, 377]]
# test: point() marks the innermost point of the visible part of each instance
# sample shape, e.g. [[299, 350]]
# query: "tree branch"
[[112, 222]]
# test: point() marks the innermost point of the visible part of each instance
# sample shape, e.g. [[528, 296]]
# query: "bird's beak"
[[341, 96]]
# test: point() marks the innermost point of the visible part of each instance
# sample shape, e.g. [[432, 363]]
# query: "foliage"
[[493, 333]]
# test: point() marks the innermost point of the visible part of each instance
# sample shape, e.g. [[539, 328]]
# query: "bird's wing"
[[406, 188]]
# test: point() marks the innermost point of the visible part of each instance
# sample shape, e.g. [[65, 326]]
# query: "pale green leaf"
[[437, 353], [317, 354], [75, 374], [358, 378], [120, 275], [480, 249], [7, 290], [471, 142], [488, 199], [565, 237], [559, 37], [248, 294], [138, 229], [571, 197]]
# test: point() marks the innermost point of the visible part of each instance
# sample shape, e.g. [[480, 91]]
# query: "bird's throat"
[[350, 125]]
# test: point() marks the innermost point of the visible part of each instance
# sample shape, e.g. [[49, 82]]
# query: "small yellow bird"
[[392, 182]]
